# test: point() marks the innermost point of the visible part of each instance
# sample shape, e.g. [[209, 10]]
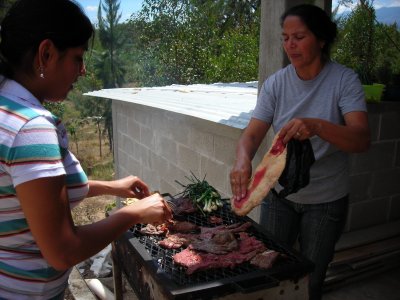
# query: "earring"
[[41, 70]]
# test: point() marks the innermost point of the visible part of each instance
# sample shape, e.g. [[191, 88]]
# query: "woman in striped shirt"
[[41, 56]]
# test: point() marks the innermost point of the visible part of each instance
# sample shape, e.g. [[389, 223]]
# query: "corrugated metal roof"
[[225, 103]]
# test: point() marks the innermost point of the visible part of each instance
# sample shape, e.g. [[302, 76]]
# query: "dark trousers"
[[316, 226]]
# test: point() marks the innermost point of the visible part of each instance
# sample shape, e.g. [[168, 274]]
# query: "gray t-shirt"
[[333, 93]]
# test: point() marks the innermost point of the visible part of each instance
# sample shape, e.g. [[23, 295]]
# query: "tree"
[[370, 48], [109, 66], [357, 47], [4, 6], [107, 62], [188, 41]]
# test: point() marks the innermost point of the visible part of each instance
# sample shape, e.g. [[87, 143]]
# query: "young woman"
[[41, 56], [312, 98]]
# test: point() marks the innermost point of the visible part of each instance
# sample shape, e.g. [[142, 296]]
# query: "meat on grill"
[[177, 240], [215, 220], [210, 239], [234, 228], [150, 229], [196, 260], [265, 260], [182, 226], [221, 243], [182, 205]]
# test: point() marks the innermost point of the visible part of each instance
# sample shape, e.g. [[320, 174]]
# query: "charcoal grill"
[[152, 273]]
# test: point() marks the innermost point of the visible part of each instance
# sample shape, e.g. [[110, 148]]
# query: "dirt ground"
[[88, 211]]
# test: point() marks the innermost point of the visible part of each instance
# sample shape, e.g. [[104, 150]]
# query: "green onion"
[[204, 196]]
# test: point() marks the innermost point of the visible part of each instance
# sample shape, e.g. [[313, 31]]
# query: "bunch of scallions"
[[204, 196]]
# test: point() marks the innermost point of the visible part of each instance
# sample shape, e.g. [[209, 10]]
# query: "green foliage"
[[370, 48], [357, 48], [56, 108], [195, 41], [237, 60], [387, 68], [4, 6], [107, 62]]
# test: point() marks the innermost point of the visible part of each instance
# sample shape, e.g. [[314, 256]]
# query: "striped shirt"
[[33, 144]]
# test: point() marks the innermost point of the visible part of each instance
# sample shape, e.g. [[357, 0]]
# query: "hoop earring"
[[41, 74]]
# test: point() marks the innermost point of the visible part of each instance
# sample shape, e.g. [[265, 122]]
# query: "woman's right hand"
[[247, 146], [239, 178], [152, 209]]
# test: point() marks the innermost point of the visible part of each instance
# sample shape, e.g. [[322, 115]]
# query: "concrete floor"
[[383, 286]]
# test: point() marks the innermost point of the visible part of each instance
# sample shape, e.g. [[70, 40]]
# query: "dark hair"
[[29, 22], [319, 23]]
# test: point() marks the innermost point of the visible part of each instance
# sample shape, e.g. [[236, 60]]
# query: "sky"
[[377, 4], [128, 7]]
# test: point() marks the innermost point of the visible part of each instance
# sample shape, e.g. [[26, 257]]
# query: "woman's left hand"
[[131, 187], [299, 129]]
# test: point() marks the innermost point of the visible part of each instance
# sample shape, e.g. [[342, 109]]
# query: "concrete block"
[[386, 183], [368, 213], [143, 116], [167, 187], [122, 123], [144, 154], [394, 208], [360, 187], [379, 157], [164, 123], [374, 121], [147, 136], [166, 148], [178, 130], [126, 143], [134, 167], [151, 178], [123, 158], [390, 125], [134, 152], [161, 166], [225, 149], [202, 142], [133, 129], [176, 173], [216, 173], [188, 159]]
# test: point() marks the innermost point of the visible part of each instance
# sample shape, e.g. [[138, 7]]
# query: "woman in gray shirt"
[[317, 99]]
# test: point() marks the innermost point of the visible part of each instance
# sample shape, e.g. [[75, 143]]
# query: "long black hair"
[[318, 22], [29, 22]]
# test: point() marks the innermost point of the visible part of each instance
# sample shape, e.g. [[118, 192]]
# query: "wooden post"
[[117, 273], [272, 56]]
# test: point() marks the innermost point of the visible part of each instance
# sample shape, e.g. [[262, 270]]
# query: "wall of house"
[[375, 175], [162, 146]]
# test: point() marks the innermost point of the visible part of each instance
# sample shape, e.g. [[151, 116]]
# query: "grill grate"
[[282, 269]]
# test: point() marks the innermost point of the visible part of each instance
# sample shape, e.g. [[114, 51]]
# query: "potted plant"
[[357, 47]]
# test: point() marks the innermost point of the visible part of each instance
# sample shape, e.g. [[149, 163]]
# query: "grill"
[[152, 273]]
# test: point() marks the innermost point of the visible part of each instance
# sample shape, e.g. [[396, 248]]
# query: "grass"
[[98, 165]]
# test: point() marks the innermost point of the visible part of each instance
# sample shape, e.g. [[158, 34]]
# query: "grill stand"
[[142, 280], [152, 275], [117, 273]]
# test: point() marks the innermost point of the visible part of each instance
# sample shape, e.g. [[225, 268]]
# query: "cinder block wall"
[[375, 175], [161, 146]]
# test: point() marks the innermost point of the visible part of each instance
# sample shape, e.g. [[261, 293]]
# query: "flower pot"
[[373, 92]]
